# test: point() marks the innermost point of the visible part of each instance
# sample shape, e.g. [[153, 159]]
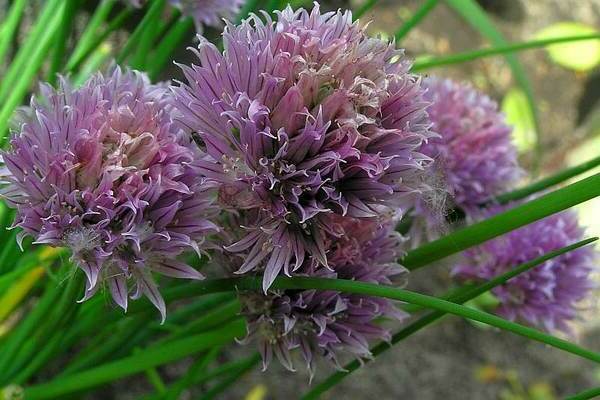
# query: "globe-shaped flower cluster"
[[474, 154], [302, 118], [548, 295], [103, 170]]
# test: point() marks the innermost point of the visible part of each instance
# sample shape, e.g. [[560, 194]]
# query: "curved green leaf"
[[507, 221], [368, 4], [370, 289], [417, 17], [9, 26], [588, 394], [548, 182], [425, 62]]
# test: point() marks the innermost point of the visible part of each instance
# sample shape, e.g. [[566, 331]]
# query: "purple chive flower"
[[474, 154], [326, 323], [300, 119], [103, 171], [547, 295]]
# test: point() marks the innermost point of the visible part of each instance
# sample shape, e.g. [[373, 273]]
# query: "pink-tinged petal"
[[92, 272], [327, 322], [248, 241], [256, 255], [176, 269], [306, 120], [118, 290], [284, 357], [287, 113], [148, 287], [279, 257]]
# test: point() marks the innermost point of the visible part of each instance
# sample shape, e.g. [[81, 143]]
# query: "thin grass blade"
[[369, 289], [415, 19], [362, 10], [585, 395], [10, 26], [507, 221], [151, 357], [429, 63], [548, 182]]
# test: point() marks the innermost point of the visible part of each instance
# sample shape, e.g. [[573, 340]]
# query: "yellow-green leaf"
[[519, 115], [18, 291], [581, 55]]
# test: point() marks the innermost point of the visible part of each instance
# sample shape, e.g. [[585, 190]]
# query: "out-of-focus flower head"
[[103, 171], [474, 154], [208, 12], [203, 12], [327, 323], [547, 295], [301, 118]]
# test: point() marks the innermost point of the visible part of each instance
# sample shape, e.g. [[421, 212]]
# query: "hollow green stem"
[[585, 395], [362, 10], [227, 382], [369, 289], [494, 51], [10, 25], [548, 182], [149, 33], [91, 30], [27, 63], [197, 368], [106, 343], [25, 329], [210, 320], [458, 297], [475, 16], [60, 314], [174, 37], [507, 221], [40, 32], [415, 19], [139, 33], [216, 372], [92, 45], [60, 42]]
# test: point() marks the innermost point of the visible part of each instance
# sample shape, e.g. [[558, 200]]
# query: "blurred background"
[[456, 359]]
